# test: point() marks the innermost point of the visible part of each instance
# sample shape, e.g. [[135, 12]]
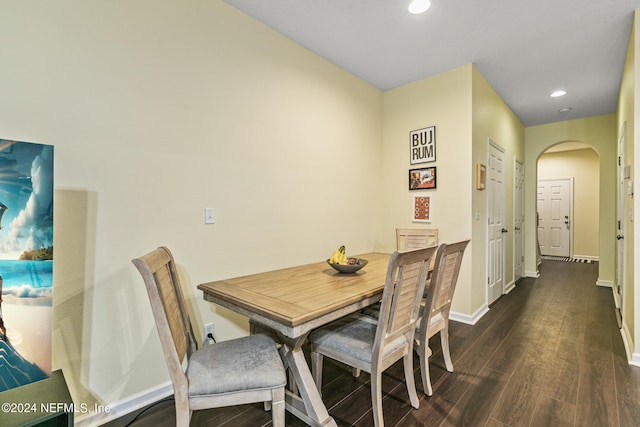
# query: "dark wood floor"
[[547, 354]]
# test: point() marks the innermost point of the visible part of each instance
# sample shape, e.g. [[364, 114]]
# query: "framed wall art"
[[26, 262], [481, 172], [422, 179], [423, 145], [421, 208]]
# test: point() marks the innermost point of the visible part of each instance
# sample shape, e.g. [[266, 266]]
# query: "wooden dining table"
[[293, 302]]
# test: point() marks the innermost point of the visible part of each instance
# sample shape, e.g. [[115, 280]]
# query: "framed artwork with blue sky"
[[26, 262]]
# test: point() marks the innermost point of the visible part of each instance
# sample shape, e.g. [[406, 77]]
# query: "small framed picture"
[[481, 176], [422, 179], [421, 208]]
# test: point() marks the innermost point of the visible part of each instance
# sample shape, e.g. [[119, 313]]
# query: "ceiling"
[[525, 49]]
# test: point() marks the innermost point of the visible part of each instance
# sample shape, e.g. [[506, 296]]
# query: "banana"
[[334, 257], [338, 256], [343, 256]]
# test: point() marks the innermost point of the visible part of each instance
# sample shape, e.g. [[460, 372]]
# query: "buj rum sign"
[[423, 145]]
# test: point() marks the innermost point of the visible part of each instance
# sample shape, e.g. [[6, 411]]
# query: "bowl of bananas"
[[344, 264]]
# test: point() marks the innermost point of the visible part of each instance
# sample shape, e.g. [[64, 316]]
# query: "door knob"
[[504, 230], [619, 237]]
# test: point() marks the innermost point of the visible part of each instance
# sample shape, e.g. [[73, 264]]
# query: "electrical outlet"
[[208, 329]]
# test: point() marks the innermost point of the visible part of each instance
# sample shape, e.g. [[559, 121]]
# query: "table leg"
[[309, 405]]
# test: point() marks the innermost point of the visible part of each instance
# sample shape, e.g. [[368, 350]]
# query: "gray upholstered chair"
[[238, 371], [436, 307], [372, 346]]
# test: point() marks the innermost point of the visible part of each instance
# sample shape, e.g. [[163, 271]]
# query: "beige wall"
[[632, 285], [600, 133], [466, 112], [442, 101], [155, 116], [492, 119], [584, 166]]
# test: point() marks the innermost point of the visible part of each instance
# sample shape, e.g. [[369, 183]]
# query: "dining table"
[[294, 301]]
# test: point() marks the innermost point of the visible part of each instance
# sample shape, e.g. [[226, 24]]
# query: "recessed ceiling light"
[[565, 110], [419, 6], [558, 93]]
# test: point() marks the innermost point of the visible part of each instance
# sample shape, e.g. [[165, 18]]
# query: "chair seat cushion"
[[246, 363], [353, 335]]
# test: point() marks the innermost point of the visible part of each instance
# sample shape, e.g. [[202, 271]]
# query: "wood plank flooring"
[[547, 354]]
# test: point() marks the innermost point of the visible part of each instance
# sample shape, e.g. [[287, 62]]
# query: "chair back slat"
[[404, 295], [168, 305], [409, 239], [399, 309], [173, 311], [444, 280]]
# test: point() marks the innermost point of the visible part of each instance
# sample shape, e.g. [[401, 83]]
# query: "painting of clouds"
[[26, 262]]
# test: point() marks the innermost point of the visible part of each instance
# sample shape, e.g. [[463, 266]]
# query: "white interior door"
[[496, 228], [518, 222], [554, 216]]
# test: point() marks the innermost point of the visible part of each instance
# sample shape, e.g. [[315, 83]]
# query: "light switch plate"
[[209, 216]]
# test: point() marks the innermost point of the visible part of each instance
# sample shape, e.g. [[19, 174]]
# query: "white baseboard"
[[533, 274], [635, 360], [125, 406], [604, 283], [616, 297], [469, 320], [627, 340], [510, 286]]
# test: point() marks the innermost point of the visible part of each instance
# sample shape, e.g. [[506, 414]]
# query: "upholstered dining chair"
[[233, 372], [436, 307], [372, 346], [408, 239]]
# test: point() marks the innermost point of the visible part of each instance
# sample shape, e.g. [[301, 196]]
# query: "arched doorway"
[[568, 195]]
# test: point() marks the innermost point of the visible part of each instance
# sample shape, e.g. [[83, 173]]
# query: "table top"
[[297, 299]]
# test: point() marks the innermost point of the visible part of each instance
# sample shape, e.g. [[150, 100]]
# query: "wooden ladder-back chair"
[[435, 313], [238, 371], [373, 345], [408, 239]]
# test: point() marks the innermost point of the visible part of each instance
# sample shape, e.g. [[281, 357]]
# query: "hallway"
[[547, 354]]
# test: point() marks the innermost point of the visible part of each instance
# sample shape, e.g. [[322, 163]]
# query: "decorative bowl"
[[356, 264]]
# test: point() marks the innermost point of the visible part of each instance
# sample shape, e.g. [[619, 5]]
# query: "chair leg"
[[183, 417], [444, 339], [376, 398], [408, 375], [277, 407], [183, 410], [316, 369], [424, 353]]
